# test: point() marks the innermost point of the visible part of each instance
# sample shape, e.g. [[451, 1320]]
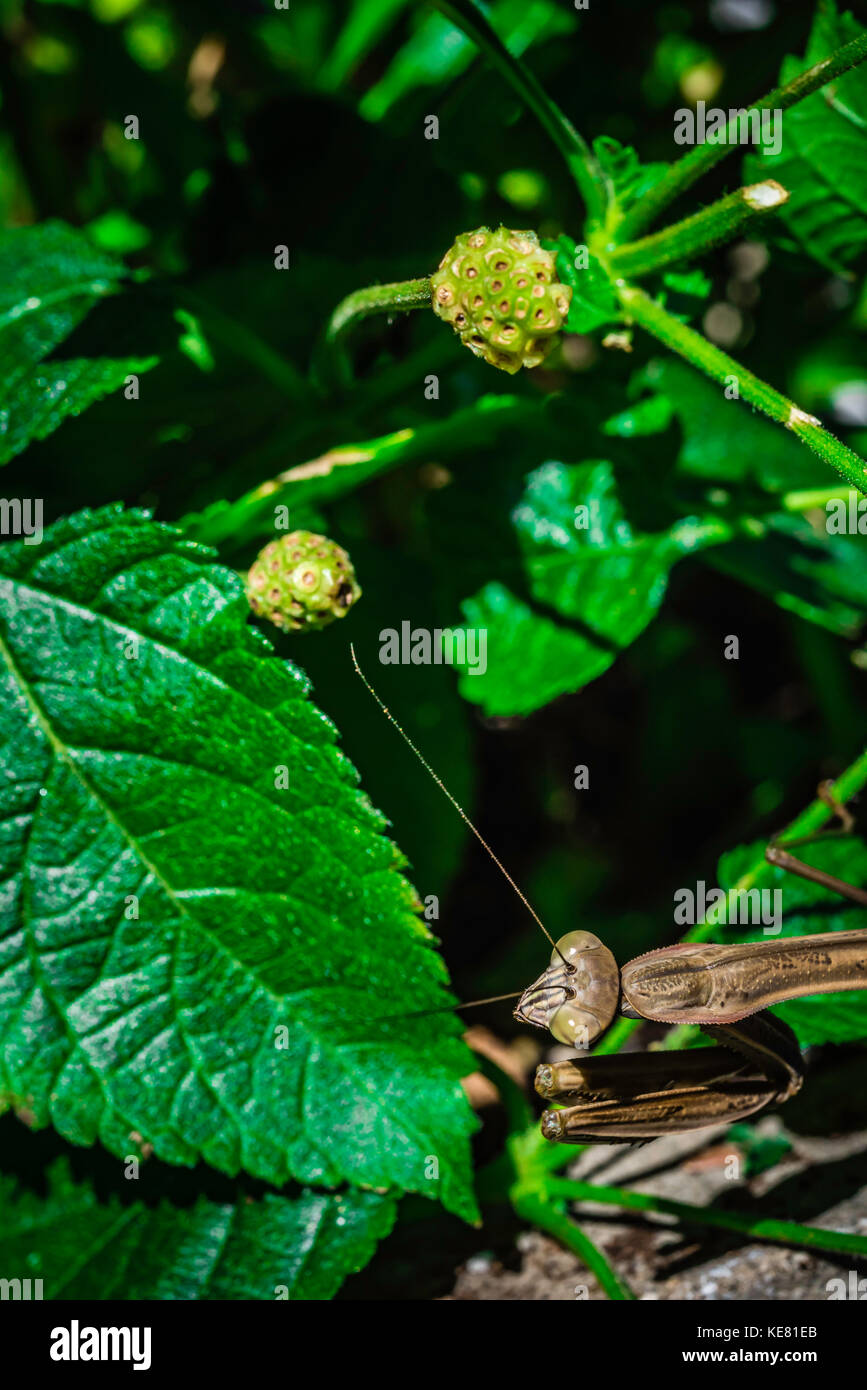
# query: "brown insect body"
[[721, 984], [723, 989]]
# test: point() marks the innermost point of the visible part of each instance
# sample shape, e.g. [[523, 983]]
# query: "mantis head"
[[576, 997]]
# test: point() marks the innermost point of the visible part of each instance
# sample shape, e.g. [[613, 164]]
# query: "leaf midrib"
[[62, 751], [94, 289]]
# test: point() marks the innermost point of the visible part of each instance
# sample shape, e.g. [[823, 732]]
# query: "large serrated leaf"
[[85, 1245], [201, 920], [51, 276]]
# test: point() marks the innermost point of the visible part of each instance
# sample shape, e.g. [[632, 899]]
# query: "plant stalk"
[[780, 1232], [329, 475], [551, 1217], [683, 241], [720, 367], [812, 499], [334, 363], [470, 18]]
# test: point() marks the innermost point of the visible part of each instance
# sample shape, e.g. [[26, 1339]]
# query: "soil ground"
[[820, 1181]]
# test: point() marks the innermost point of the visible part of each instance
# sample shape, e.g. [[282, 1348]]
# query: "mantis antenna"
[[461, 812], [446, 1008]]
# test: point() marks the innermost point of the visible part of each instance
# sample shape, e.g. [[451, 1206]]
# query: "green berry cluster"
[[302, 582], [500, 293]]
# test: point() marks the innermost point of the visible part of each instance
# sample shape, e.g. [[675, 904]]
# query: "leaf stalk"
[[685, 240]]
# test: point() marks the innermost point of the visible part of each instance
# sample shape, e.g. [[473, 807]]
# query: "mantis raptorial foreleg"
[[643, 1095]]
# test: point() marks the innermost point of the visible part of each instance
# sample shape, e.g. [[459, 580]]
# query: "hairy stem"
[[468, 16], [695, 235], [378, 299], [691, 166], [334, 363], [780, 1232], [720, 367]]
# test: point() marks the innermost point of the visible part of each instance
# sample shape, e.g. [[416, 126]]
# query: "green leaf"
[[820, 577], [690, 282], [593, 299], [437, 52], [761, 1152], [115, 231], [85, 1245], [192, 342], [823, 155], [723, 440], [791, 559], [808, 907], [585, 585], [363, 28], [191, 951], [628, 178], [652, 415], [50, 278]]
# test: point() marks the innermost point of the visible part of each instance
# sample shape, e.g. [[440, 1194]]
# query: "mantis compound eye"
[[576, 997], [574, 1026]]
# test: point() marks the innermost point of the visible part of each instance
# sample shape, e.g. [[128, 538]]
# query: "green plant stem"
[[695, 235], [817, 814], [470, 18], [334, 365], [330, 475], [691, 166], [780, 1232], [720, 367], [550, 1216], [378, 299]]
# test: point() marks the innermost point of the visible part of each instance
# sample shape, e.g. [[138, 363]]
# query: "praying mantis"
[[725, 989]]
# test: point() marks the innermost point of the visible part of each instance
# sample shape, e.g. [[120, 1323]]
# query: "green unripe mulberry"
[[301, 582], [500, 293]]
